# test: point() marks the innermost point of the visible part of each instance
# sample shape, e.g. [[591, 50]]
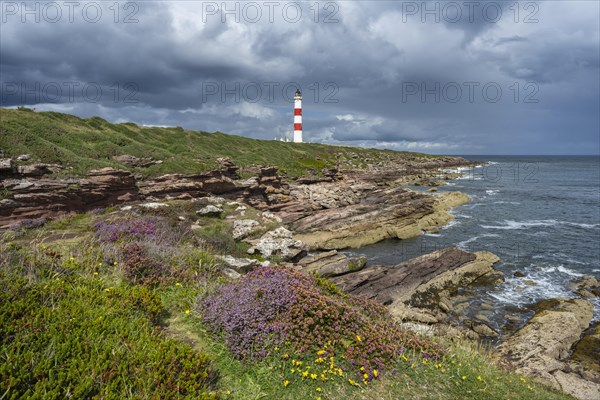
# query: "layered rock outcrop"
[[363, 215], [26, 194], [421, 289], [47, 198]]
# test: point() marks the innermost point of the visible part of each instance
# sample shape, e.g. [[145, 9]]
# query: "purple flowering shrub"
[[275, 307], [146, 228], [248, 311], [112, 231], [141, 269]]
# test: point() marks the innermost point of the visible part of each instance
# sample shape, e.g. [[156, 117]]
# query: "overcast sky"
[[478, 77]]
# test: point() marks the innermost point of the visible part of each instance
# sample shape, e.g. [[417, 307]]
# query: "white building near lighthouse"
[[298, 117]]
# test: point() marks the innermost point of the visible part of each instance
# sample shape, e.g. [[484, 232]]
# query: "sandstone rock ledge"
[[381, 214], [542, 348], [420, 290]]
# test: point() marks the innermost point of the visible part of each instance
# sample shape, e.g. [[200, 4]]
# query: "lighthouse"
[[298, 117]]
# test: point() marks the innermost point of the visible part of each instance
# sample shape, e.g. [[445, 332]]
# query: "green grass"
[[71, 326], [84, 144]]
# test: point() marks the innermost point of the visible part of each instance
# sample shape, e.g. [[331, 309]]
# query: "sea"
[[539, 214]]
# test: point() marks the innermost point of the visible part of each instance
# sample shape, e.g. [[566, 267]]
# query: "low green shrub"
[[75, 337]]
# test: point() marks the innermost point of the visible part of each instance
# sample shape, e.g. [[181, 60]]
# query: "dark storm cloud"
[[376, 73]]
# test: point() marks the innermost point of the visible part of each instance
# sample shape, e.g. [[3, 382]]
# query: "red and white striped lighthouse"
[[298, 117]]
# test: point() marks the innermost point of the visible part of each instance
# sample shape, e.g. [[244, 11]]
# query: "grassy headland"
[[80, 145]]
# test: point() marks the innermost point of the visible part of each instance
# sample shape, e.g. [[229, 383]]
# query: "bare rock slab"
[[332, 263], [542, 347]]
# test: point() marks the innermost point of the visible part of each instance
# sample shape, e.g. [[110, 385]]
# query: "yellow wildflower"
[[365, 375], [358, 338], [318, 389], [313, 376], [178, 284], [286, 383], [305, 374], [375, 373], [187, 311], [464, 377], [479, 378]]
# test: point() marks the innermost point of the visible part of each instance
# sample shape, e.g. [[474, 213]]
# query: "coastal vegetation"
[[126, 304]]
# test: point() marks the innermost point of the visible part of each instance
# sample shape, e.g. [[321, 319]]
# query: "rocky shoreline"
[[304, 222]]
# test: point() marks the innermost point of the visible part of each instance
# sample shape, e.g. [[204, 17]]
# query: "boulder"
[[241, 265], [243, 227], [210, 211], [279, 242], [24, 157]]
